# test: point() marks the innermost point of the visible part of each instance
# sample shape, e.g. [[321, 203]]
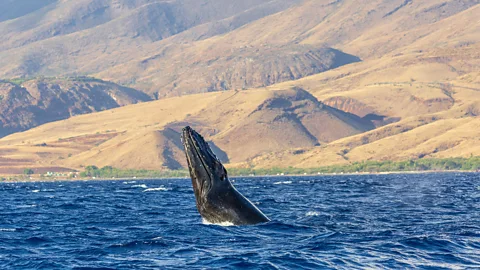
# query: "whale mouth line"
[[197, 147], [217, 200]]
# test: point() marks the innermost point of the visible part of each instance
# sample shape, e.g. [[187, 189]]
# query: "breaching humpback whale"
[[217, 199]]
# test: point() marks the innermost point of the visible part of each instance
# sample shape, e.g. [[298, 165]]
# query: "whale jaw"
[[217, 200]]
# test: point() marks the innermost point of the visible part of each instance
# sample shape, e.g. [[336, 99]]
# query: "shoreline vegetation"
[[471, 164], [80, 78]]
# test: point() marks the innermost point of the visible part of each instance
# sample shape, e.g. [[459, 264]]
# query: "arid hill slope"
[[169, 48], [178, 47], [433, 120], [409, 69], [371, 31], [260, 128], [88, 36], [146, 135], [40, 101]]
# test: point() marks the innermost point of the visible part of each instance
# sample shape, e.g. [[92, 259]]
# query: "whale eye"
[[224, 175]]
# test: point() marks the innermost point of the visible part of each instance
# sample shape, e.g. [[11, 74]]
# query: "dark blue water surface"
[[427, 221]]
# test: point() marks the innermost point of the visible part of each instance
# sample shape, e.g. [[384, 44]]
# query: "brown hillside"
[[86, 36], [147, 135], [289, 119], [308, 100], [245, 67], [370, 31], [449, 133], [179, 47], [40, 101]]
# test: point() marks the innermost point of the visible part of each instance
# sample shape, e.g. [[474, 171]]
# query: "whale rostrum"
[[217, 200]]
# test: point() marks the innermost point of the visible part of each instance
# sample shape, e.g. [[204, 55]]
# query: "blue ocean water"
[[424, 221]]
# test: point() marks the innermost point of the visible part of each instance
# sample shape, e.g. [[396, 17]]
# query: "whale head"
[[217, 200], [205, 168]]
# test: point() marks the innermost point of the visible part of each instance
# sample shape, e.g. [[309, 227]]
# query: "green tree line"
[[446, 164], [110, 172]]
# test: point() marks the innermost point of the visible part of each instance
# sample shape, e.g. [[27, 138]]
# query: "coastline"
[[133, 178]]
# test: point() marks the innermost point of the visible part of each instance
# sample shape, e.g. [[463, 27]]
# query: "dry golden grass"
[[421, 66], [440, 139], [439, 107], [128, 136], [244, 124]]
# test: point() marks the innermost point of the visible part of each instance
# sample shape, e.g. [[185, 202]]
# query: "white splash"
[[130, 182], [223, 224], [26, 206], [312, 214], [283, 183], [156, 189]]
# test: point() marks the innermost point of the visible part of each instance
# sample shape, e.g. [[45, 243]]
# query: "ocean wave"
[[344, 222], [140, 244], [156, 189], [140, 186], [223, 224], [26, 206], [36, 190], [38, 240], [129, 182], [312, 214], [283, 183]]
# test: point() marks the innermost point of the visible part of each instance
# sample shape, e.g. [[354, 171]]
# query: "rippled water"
[[428, 221]]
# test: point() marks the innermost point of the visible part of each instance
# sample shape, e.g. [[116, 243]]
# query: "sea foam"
[[223, 224], [156, 189], [282, 183], [312, 214]]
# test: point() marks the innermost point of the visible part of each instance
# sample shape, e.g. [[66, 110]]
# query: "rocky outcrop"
[[35, 102], [360, 109], [259, 67], [240, 68]]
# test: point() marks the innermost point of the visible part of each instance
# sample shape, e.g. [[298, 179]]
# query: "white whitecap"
[[140, 186], [7, 230], [223, 224], [36, 190], [312, 214], [283, 183], [156, 189], [27, 206], [130, 182]]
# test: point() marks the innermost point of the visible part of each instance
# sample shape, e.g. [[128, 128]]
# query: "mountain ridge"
[[38, 101], [264, 81]]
